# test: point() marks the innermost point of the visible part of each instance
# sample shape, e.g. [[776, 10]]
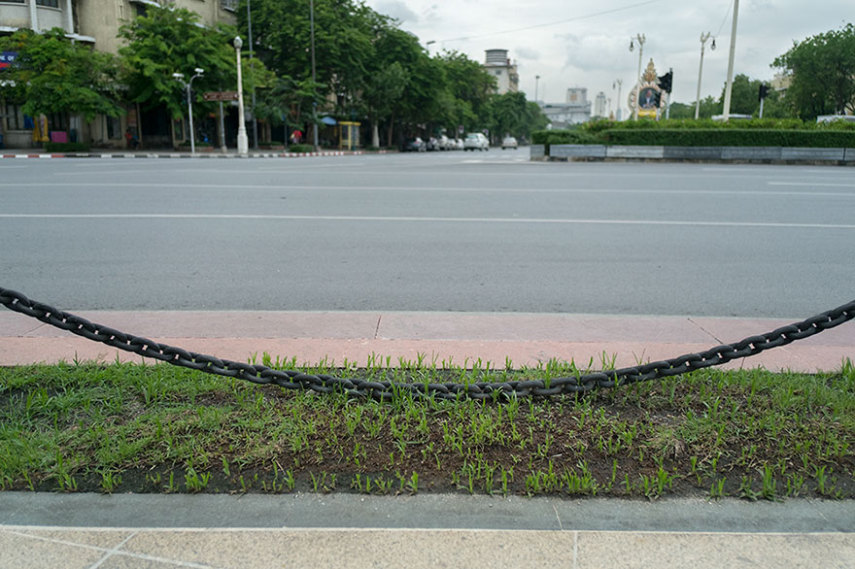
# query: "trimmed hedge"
[[757, 132], [301, 148], [66, 147], [730, 137]]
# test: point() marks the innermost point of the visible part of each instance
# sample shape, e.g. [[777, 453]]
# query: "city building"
[[601, 105], [94, 22], [576, 109], [499, 66]]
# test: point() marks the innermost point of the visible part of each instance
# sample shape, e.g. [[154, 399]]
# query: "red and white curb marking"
[[180, 155]]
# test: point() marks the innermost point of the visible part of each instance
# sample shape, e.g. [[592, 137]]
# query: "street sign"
[[220, 96]]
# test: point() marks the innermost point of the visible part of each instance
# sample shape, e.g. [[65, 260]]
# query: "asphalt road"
[[456, 231]]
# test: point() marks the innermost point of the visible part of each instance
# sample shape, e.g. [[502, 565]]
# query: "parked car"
[[458, 144], [445, 143], [432, 144], [415, 144], [476, 141], [509, 142]]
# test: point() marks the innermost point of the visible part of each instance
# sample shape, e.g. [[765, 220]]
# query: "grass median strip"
[[156, 428]]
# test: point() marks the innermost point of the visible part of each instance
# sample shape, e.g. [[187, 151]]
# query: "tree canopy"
[[166, 41], [52, 74], [821, 70]]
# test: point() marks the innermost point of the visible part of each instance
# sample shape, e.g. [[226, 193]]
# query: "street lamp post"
[[640, 38], [536, 84], [729, 86], [188, 88], [242, 143], [704, 38]]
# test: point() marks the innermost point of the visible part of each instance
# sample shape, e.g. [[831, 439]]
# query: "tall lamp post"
[[242, 143], [188, 88], [536, 85], [729, 86], [704, 38], [640, 38]]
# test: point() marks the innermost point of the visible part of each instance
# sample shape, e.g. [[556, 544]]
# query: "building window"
[[14, 1], [14, 117], [48, 3], [114, 128]]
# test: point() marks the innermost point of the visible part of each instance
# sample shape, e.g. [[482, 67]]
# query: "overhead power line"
[[559, 22]]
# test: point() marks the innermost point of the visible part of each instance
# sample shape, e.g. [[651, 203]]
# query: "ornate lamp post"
[[188, 88], [242, 143], [640, 38], [704, 38]]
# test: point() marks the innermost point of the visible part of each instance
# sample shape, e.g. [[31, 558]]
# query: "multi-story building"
[[601, 105], [95, 22], [499, 66], [575, 109]]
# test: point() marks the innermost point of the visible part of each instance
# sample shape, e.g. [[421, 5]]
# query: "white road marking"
[[406, 219]]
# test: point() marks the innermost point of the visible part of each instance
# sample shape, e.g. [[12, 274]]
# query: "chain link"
[[384, 390]]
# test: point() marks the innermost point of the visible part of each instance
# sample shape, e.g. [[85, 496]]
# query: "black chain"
[[384, 390]]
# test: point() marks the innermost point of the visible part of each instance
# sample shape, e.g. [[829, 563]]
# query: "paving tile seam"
[[22, 531], [107, 552]]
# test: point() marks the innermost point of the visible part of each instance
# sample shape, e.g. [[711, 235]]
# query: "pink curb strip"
[[458, 339]]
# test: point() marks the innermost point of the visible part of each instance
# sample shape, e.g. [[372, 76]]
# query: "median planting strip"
[[154, 428]]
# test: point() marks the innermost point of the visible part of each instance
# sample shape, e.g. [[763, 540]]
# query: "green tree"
[[166, 41], [344, 46], [821, 70], [384, 89], [471, 87], [54, 75]]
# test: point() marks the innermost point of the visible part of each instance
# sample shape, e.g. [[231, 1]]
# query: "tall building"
[[95, 22], [499, 66], [601, 105], [575, 109]]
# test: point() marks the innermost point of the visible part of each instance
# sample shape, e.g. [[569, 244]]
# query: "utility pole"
[[251, 51], [704, 38], [314, 104], [729, 87], [641, 39]]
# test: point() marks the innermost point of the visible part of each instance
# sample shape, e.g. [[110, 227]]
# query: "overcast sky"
[[570, 43]]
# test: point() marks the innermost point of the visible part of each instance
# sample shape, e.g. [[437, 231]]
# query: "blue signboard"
[[7, 58]]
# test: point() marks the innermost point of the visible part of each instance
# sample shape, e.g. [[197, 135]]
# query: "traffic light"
[[764, 91], [665, 81]]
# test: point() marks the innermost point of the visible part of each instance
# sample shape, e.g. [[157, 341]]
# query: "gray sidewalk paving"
[[347, 530]]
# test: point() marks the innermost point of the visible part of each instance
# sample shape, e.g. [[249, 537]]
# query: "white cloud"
[[586, 44], [398, 10]]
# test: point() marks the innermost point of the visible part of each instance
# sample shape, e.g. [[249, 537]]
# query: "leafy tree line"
[[366, 69], [820, 72]]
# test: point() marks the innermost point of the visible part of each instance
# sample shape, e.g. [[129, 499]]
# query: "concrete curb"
[[172, 155], [728, 154]]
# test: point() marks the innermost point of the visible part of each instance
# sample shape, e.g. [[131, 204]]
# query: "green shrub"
[[731, 137], [66, 147], [301, 148]]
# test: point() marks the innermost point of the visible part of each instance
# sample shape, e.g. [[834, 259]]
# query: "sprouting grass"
[[137, 428]]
